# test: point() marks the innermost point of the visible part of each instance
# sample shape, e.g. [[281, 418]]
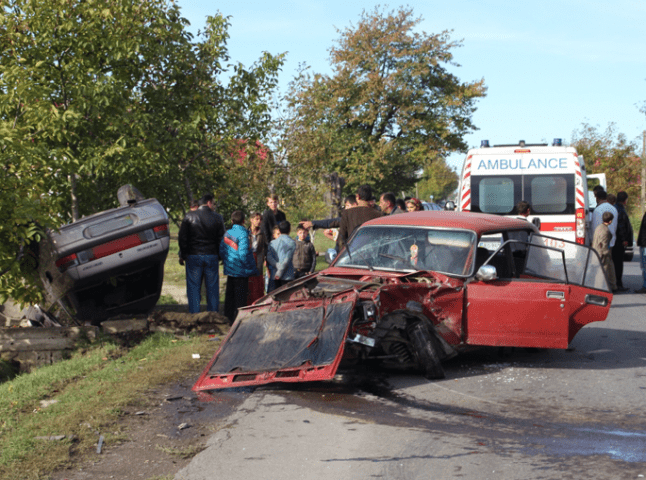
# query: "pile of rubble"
[[31, 337]]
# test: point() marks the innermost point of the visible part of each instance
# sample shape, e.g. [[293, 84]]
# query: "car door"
[[517, 313], [544, 305]]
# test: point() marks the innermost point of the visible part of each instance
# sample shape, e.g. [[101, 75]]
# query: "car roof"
[[481, 223]]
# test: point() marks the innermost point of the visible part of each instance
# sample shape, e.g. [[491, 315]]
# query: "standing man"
[[349, 202], [641, 242], [388, 204], [199, 243], [624, 236], [271, 218], [351, 219], [597, 219]]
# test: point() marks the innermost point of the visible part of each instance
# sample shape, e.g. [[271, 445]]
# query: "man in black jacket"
[[199, 243], [624, 237], [271, 218]]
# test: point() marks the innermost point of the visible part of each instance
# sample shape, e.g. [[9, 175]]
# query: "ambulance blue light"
[[558, 142], [484, 143]]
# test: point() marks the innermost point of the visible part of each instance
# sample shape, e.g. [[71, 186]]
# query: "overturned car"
[[412, 290], [108, 263]]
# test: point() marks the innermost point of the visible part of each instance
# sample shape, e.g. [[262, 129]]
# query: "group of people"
[[204, 241], [359, 208], [612, 233]]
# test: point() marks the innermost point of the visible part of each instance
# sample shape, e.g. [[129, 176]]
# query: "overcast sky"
[[549, 66]]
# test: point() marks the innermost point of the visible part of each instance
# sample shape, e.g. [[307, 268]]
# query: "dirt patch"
[[162, 435]]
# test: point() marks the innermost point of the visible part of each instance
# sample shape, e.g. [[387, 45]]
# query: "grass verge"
[[86, 396]]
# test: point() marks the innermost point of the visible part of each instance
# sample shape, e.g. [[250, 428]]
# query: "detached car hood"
[[302, 342]]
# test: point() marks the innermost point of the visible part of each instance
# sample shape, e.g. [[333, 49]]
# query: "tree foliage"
[[440, 182], [98, 93], [611, 153], [389, 110]]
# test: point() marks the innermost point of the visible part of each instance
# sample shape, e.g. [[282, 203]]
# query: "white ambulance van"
[[551, 178]]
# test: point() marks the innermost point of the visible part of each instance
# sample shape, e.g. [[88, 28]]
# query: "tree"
[[96, 94], [610, 152], [389, 110], [440, 182]]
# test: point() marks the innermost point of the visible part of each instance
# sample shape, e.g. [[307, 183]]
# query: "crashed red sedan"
[[412, 290]]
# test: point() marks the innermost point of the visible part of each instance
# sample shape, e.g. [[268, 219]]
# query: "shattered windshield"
[[401, 248]]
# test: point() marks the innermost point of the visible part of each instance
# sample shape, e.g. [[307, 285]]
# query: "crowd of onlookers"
[[612, 234], [204, 241], [244, 252]]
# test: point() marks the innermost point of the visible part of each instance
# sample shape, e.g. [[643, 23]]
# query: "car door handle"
[[557, 295]]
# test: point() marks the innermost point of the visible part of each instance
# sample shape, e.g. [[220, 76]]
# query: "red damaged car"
[[412, 290]]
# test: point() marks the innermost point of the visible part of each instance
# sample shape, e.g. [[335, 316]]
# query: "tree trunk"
[[75, 200]]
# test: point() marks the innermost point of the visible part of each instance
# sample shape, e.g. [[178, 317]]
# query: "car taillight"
[[67, 262], [580, 226], [161, 231]]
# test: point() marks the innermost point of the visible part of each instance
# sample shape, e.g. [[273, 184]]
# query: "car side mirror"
[[486, 273], [330, 255], [449, 205]]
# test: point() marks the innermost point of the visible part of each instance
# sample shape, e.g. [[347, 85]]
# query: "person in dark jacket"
[[304, 258], [624, 236], [329, 223], [641, 242], [353, 218], [239, 265], [271, 218], [199, 242]]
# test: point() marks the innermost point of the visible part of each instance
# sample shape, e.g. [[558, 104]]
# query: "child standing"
[[280, 254], [601, 244], [239, 265], [305, 254]]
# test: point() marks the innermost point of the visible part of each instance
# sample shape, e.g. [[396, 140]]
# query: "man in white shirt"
[[604, 206]]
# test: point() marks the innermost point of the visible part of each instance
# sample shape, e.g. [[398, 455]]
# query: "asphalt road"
[[516, 414]]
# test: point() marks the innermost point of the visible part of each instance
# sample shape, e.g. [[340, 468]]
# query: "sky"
[[549, 66]]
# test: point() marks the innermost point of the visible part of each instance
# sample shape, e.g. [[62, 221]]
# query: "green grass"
[[90, 397]]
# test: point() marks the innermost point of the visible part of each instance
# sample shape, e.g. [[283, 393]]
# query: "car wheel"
[[424, 350]]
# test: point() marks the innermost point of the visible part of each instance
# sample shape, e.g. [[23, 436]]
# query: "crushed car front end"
[[304, 330]]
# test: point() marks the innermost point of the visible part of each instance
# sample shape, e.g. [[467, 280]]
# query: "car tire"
[[425, 352]]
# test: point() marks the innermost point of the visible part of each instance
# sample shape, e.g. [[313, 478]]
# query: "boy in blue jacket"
[[239, 265], [280, 254]]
